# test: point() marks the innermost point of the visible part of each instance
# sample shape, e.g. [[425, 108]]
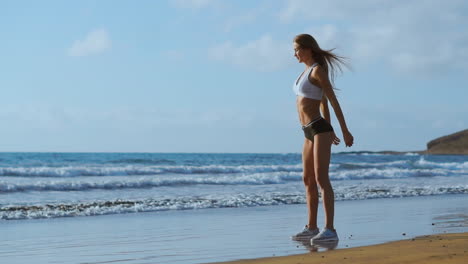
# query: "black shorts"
[[315, 127]]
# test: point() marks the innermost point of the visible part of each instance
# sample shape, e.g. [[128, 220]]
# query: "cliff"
[[456, 143]]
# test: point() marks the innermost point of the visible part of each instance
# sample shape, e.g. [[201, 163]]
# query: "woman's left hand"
[[348, 138]]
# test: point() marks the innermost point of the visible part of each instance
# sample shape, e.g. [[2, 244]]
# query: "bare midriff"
[[308, 109]]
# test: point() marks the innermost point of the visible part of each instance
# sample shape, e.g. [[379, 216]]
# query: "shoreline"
[[227, 234], [427, 249]]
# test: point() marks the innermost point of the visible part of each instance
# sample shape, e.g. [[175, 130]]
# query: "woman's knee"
[[309, 181], [323, 182]]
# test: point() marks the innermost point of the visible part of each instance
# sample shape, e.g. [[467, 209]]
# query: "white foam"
[[448, 165], [388, 173], [117, 206], [109, 183], [93, 170], [247, 177]]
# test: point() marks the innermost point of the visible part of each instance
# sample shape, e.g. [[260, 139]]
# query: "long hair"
[[331, 62]]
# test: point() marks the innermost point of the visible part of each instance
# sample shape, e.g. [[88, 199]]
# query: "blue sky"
[[216, 76]]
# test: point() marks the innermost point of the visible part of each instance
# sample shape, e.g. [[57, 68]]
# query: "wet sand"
[[206, 235], [433, 249]]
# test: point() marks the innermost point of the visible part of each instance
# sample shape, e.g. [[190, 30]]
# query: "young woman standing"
[[314, 89]]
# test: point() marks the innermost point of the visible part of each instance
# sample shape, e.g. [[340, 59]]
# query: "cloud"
[[95, 42], [193, 4], [412, 37], [328, 36], [263, 54]]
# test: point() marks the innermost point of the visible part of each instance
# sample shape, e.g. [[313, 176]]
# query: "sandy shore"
[[444, 248]]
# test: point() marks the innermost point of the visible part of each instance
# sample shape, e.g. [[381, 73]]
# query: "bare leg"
[[310, 183], [322, 153]]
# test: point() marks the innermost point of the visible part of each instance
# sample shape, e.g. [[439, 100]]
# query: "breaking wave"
[[118, 206]]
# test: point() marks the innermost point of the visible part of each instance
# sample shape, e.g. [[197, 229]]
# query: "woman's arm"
[[322, 77], [326, 115]]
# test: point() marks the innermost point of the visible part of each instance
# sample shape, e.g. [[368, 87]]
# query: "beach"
[[203, 132], [435, 249], [207, 207], [217, 235]]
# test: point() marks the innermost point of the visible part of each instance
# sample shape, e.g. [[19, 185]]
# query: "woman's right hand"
[[348, 138]]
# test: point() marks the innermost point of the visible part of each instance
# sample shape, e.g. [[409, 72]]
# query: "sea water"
[[51, 185]]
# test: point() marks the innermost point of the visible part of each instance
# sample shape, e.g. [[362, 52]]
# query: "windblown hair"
[[329, 61]]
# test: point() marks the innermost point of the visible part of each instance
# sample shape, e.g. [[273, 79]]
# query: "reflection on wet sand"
[[317, 246], [451, 220]]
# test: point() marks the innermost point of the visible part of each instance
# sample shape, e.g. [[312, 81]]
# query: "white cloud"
[[414, 37], [194, 4], [95, 42], [328, 36], [263, 54]]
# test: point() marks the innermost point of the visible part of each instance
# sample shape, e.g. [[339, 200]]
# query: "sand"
[[437, 249]]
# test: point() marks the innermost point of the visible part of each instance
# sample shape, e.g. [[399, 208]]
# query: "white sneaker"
[[306, 234], [327, 235]]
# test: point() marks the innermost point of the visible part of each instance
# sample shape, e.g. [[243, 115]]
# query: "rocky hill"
[[456, 143]]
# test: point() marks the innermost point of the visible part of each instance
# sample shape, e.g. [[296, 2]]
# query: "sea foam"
[[118, 206]]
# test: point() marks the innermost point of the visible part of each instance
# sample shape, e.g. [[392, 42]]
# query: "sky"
[[216, 76]]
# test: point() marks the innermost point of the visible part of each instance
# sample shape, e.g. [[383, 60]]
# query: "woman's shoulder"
[[318, 72]]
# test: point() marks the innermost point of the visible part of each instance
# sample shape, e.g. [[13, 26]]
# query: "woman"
[[314, 90]]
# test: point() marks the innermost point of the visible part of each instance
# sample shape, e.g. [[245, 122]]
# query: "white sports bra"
[[303, 87]]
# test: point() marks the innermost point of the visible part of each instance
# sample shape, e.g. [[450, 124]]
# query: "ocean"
[[52, 185]]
